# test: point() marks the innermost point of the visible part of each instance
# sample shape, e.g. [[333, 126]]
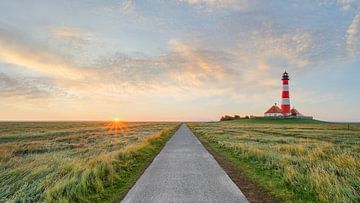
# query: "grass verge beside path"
[[252, 190], [259, 177], [108, 178], [295, 162]]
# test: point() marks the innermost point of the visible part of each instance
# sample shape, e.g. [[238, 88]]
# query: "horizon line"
[[133, 121]]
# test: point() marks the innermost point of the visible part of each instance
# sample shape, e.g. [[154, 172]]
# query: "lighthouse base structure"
[[284, 117], [286, 110]]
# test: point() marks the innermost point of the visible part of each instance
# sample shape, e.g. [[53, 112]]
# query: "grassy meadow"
[[296, 161], [75, 161]]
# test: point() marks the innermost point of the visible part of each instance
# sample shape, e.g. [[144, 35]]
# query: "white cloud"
[[353, 35]]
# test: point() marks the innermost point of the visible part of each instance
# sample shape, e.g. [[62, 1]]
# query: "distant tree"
[[236, 117], [247, 117]]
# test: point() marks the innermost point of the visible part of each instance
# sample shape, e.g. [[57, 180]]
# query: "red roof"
[[274, 109], [295, 112]]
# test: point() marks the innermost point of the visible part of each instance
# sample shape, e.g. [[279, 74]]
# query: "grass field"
[[296, 161], [75, 161]]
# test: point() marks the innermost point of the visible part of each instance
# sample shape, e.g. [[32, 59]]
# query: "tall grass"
[[297, 162], [74, 162]]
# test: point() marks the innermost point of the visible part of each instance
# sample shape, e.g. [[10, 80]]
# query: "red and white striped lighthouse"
[[285, 96]]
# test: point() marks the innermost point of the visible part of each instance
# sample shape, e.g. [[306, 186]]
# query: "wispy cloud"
[[71, 38], [29, 88], [185, 67], [67, 32], [128, 7], [214, 4], [199, 65], [15, 51], [10, 87], [349, 4], [353, 35]]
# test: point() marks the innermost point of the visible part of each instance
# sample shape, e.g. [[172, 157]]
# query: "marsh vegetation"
[[294, 160], [75, 161]]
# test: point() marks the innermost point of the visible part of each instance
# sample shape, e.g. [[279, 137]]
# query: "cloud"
[[224, 4], [189, 68], [125, 11], [292, 47], [183, 68], [128, 7], [71, 39], [28, 88], [268, 52], [192, 66], [120, 76], [200, 65], [16, 51], [349, 4], [353, 35], [66, 32]]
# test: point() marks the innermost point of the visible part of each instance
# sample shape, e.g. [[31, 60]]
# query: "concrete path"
[[184, 172]]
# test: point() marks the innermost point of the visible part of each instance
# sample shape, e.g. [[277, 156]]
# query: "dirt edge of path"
[[252, 191]]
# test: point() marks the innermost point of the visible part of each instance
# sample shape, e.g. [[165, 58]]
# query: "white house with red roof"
[[274, 111]]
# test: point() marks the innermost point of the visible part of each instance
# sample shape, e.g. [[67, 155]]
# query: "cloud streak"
[[15, 51], [66, 32], [353, 35], [222, 4], [349, 4]]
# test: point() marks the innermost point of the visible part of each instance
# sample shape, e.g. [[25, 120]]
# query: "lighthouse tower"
[[285, 96]]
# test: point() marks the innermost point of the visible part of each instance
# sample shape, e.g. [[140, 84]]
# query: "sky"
[[155, 60]]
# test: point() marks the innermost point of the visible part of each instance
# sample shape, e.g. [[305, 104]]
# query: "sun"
[[117, 128]]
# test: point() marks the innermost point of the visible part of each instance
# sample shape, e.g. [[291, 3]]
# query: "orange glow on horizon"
[[117, 129]]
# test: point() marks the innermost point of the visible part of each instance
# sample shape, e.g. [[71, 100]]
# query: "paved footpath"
[[184, 172]]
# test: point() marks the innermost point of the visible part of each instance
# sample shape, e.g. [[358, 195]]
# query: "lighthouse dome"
[[285, 76]]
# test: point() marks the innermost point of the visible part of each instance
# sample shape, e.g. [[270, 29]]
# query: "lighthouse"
[[284, 111], [285, 96]]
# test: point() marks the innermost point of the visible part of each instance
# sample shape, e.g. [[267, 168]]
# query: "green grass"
[[297, 162], [75, 162], [278, 121]]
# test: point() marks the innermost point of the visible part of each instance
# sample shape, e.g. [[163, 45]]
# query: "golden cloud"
[[67, 32], [21, 54]]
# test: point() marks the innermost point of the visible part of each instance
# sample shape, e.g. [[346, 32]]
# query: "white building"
[[274, 111]]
